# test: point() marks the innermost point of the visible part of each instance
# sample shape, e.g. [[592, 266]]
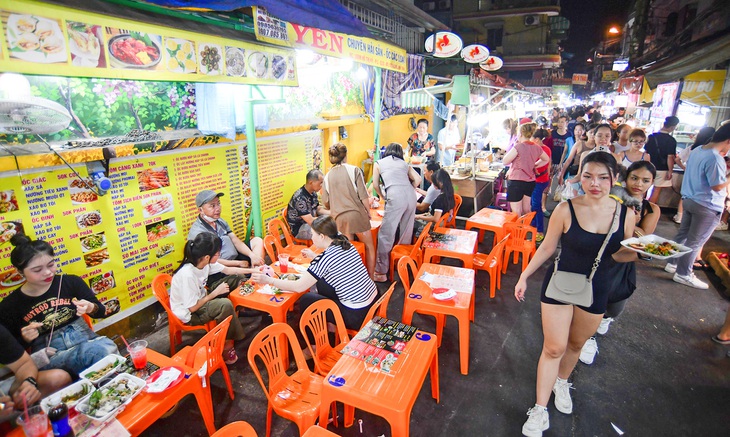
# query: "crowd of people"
[[46, 342]]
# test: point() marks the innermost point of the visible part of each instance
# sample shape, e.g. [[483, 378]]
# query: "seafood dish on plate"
[[164, 250], [102, 283], [152, 179], [258, 64], [70, 395], [105, 401], [157, 205], [7, 231], [102, 368], [8, 201], [93, 242], [133, 50], [11, 278], [181, 56], [88, 219], [209, 59], [96, 258]]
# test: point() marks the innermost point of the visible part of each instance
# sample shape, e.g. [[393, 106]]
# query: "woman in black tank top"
[[580, 226]]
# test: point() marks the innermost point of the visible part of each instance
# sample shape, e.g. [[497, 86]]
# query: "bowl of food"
[[71, 395], [104, 402], [133, 50], [103, 368]]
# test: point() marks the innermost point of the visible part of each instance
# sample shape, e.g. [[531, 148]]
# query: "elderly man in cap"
[[662, 148], [234, 252]]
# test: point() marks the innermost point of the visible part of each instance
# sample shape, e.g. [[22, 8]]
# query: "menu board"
[[283, 165], [119, 241], [380, 342], [40, 38]]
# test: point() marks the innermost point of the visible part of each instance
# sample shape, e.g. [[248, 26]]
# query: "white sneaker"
[[603, 327], [721, 227], [589, 351], [677, 218], [537, 422], [690, 280], [563, 403], [670, 268]]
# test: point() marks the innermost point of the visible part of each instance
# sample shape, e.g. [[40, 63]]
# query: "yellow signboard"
[[40, 38], [580, 79], [704, 88], [609, 76], [360, 49]]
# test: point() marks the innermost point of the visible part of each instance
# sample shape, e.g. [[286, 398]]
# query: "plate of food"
[[656, 247], [102, 368], [160, 230], [81, 194], [71, 395], [258, 64], [84, 44], [102, 283], [88, 219], [180, 55], [11, 279], [246, 289], [96, 258], [235, 61], [278, 67], [8, 201], [35, 39], [93, 242], [164, 250], [209, 59], [134, 50], [157, 205], [107, 400], [290, 277], [7, 231]]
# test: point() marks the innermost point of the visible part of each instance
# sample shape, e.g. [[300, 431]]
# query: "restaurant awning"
[[322, 14]]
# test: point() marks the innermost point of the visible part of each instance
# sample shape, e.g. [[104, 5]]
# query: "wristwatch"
[[32, 380]]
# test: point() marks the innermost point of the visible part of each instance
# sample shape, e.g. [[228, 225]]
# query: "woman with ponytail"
[[189, 299], [338, 274]]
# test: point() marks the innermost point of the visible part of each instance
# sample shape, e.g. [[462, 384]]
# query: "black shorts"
[[516, 190]]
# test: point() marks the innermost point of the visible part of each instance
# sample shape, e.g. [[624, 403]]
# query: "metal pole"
[[253, 163], [377, 97]]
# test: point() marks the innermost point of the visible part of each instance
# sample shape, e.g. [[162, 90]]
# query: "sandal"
[[717, 339], [699, 265], [230, 357], [380, 277]]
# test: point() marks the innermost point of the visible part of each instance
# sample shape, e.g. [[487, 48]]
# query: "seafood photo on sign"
[[131, 49], [235, 61], [112, 306], [92, 242], [85, 44], [8, 201], [157, 205], [95, 258], [102, 283], [164, 249], [159, 230], [210, 59], [82, 191], [36, 39], [88, 219], [11, 278], [8, 229], [153, 178]]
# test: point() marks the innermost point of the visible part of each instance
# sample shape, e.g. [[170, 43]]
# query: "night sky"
[[589, 22]]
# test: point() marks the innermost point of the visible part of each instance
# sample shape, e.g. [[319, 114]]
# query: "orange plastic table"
[[318, 431], [420, 299], [277, 306], [488, 219], [463, 246], [389, 395], [146, 408]]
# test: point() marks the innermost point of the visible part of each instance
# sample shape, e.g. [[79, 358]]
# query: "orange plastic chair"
[[526, 219], [314, 324], [270, 248], [451, 223], [236, 429], [492, 264], [209, 350], [295, 397], [522, 240], [442, 222], [379, 308], [288, 229], [160, 285], [407, 268], [412, 250]]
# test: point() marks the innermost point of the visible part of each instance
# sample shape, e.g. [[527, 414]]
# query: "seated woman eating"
[[189, 299], [444, 203], [338, 273], [45, 312]]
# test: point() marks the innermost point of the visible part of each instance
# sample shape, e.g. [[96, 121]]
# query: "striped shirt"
[[341, 273]]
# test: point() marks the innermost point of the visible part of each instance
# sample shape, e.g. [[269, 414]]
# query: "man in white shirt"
[[448, 140]]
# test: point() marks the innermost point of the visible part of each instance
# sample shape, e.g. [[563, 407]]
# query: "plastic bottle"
[[59, 421]]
